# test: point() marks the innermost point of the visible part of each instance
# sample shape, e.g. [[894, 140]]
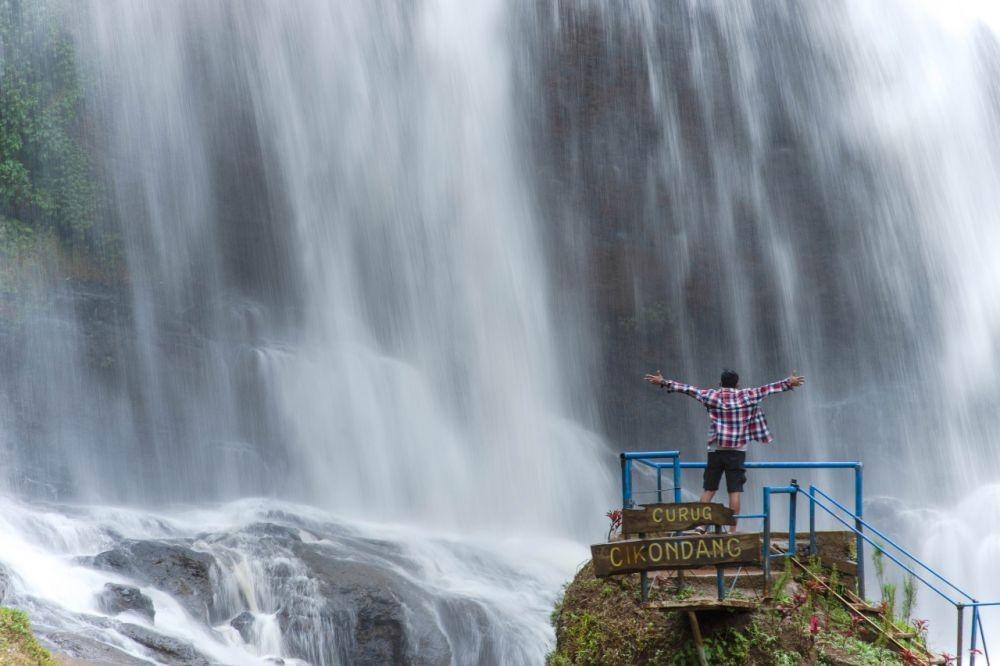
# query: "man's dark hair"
[[729, 379]]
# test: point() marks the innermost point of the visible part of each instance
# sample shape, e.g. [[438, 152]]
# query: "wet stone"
[[115, 599], [243, 623]]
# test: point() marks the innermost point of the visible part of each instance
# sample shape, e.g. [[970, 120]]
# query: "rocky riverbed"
[[261, 582]]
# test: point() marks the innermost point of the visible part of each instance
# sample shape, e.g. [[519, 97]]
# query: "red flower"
[[615, 516], [813, 625]]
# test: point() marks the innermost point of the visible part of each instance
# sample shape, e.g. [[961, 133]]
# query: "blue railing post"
[[791, 517], [626, 482], [961, 618], [812, 521], [767, 541], [859, 542], [972, 644], [677, 478], [659, 485]]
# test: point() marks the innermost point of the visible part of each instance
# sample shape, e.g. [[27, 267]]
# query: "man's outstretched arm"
[[676, 387], [793, 381]]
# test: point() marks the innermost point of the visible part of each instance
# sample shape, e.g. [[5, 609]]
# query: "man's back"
[[735, 417]]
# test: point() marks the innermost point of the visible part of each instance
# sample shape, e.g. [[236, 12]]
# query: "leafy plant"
[[909, 598], [879, 563], [782, 582]]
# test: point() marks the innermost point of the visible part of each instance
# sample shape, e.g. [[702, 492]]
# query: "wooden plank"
[[706, 604], [636, 555], [654, 518]]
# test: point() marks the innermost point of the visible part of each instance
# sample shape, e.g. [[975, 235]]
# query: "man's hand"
[[795, 380], [656, 379]]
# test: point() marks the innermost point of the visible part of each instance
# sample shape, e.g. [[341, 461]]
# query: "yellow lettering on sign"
[[733, 547], [703, 549], [615, 550], [638, 554], [682, 513], [657, 515], [655, 552], [671, 549], [687, 549], [718, 548]]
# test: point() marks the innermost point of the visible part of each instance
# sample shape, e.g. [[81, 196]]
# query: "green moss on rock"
[[18, 646]]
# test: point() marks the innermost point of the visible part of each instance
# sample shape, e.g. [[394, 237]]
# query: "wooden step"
[[703, 604]]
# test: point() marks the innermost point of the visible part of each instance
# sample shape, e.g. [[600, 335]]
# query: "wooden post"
[[720, 573], [696, 632], [643, 581]]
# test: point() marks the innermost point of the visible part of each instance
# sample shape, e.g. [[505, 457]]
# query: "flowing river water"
[[395, 269]]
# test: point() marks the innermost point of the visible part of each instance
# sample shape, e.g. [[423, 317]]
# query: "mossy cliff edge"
[[603, 621]]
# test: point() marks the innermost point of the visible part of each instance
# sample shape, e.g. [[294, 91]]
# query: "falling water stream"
[[395, 268]]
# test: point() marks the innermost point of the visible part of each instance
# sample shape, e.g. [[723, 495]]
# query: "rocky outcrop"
[[183, 573], [115, 599], [345, 607], [168, 650]]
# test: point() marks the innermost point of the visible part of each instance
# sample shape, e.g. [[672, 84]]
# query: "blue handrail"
[[960, 606], [653, 459], [892, 543]]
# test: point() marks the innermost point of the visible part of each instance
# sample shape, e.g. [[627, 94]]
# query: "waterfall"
[[398, 268], [337, 287]]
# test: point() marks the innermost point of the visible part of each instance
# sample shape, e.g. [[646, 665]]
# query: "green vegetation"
[[18, 646], [49, 190]]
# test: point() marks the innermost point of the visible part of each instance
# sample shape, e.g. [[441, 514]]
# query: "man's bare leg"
[[707, 496], [734, 504]]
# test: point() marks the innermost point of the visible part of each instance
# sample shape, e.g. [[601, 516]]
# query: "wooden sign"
[[634, 555], [654, 518]]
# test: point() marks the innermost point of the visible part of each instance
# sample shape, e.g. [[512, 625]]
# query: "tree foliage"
[[48, 183]]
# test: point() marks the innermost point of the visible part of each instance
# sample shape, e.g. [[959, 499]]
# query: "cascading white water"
[[387, 258], [337, 294], [420, 380]]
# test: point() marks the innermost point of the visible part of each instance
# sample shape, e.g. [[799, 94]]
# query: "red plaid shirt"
[[736, 416]]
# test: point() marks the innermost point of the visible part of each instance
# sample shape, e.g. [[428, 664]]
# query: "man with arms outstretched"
[[736, 420]]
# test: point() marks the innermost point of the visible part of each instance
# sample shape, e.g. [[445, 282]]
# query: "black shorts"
[[730, 462]]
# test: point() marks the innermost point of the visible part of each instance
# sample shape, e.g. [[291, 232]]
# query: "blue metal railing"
[[648, 459], [653, 460], [960, 606]]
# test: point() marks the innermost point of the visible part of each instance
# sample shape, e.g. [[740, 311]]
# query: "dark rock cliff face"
[[704, 209]]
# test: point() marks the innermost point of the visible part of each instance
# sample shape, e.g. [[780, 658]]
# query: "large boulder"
[[115, 599], [185, 574], [168, 650], [73, 647], [378, 609]]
